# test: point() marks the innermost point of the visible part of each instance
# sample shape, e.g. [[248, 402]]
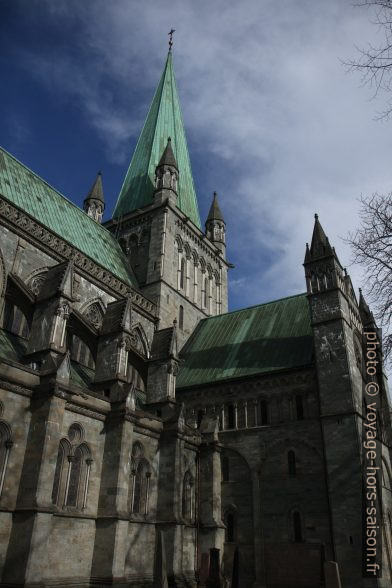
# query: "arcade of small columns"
[[256, 411], [209, 295]]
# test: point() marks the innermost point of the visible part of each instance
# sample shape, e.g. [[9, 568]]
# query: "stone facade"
[[112, 474]]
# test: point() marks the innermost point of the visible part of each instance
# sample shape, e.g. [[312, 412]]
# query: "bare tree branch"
[[371, 245], [375, 62]]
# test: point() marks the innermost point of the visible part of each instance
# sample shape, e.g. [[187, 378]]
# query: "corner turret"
[[216, 226], [94, 203], [166, 176]]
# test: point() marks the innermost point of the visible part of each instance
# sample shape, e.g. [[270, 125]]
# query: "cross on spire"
[[171, 38]]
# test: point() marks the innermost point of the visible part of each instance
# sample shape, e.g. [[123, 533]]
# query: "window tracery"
[[72, 472], [140, 481]]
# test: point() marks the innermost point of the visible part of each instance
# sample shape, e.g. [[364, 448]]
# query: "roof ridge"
[[253, 306], [80, 211]]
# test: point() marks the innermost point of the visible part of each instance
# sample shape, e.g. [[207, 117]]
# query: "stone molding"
[[60, 249], [15, 388]]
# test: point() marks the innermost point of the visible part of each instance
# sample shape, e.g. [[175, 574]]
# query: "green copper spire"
[[164, 120]]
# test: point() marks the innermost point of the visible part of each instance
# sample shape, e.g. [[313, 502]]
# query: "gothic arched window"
[[138, 488], [230, 521], [209, 290], [5, 448], [200, 414], [195, 277], [133, 245], [72, 472], [263, 412], [314, 283], [62, 455], [231, 417], [297, 527], [140, 482], [225, 469], [204, 293], [80, 462], [181, 317], [187, 497], [182, 273], [291, 463]]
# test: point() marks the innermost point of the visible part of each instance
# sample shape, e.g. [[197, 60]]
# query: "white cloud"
[[265, 99]]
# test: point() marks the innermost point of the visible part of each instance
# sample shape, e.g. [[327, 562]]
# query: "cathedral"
[[150, 437]]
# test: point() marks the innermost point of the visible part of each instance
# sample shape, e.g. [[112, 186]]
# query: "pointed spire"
[[320, 246], [164, 120], [215, 211], [215, 226], [308, 257], [168, 156], [94, 203], [96, 190]]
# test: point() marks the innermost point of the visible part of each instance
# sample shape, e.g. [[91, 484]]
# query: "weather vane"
[[171, 38]]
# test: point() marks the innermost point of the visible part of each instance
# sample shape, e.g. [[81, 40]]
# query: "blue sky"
[[274, 123]]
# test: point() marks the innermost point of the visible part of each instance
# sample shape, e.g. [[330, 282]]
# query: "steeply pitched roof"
[[320, 245], [261, 339], [164, 120], [38, 199], [168, 156], [215, 211], [96, 190], [117, 316], [164, 343]]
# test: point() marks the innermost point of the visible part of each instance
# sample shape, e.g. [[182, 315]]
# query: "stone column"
[[255, 408], [113, 509], [260, 579], [26, 558], [210, 503]]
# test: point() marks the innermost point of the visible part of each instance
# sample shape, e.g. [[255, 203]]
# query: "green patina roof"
[[261, 339], [38, 199], [11, 346], [81, 375], [164, 120]]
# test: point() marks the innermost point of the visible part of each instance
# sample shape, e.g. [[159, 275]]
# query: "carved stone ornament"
[[63, 310], [37, 282], [36, 232], [125, 343], [94, 315], [136, 342]]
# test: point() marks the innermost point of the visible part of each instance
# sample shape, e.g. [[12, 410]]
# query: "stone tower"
[[338, 342], [156, 221]]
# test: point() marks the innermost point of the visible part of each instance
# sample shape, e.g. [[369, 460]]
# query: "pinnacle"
[[96, 190], [168, 156], [215, 211], [320, 245]]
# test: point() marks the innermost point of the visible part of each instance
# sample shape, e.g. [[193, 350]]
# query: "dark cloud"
[[275, 123]]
